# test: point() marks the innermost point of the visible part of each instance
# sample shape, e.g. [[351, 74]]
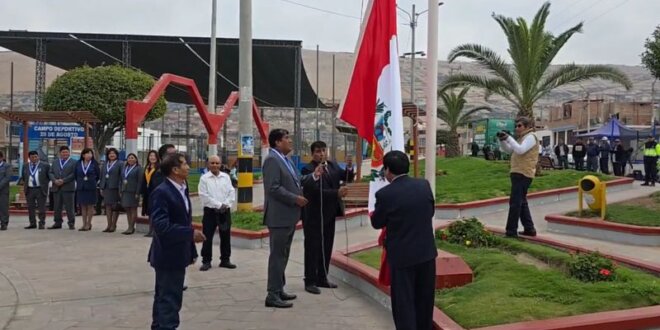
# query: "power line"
[[608, 11], [576, 15], [322, 10], [568, 7]]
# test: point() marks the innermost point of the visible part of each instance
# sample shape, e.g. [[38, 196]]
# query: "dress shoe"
[[205, 267], [313, 289], [42, 226], [507, 235], [645, 184], [128, 232], [72, 227], [287, 296], [227, 264], [55, 226], [277, 302], [326, 284], [32, 226], [527, 233], [149, 234], [185, 287], [83, 229], [3, 226]]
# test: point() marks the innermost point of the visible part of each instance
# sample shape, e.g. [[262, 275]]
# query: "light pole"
[[432, 92], [213, 145], [588, 108]]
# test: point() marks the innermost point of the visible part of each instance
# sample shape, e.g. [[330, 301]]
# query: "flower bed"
[[519, 281]]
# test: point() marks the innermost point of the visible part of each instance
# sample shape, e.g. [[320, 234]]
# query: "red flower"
[[444, 237], [605, 272]]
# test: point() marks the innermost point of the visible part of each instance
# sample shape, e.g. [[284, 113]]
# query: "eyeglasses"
[[519, 126]]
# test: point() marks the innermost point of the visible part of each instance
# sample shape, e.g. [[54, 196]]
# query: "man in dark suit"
[[409, 242], [173, 244], [319, 216], [5, 177], [35, 185], [283, 200], [62, 174]]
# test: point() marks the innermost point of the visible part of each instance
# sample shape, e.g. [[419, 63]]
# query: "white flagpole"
[[431, 92]]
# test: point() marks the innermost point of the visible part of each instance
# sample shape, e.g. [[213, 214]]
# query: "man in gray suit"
[[35, 185], [62, 174], [5, 177], [283, 200]]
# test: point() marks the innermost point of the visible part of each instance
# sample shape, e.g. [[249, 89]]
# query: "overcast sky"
[[614, 30]]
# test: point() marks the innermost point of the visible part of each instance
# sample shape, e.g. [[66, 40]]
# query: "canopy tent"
[[279, 77], [613, 129]]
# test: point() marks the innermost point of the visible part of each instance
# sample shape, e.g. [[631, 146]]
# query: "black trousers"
[[618, 167], [563, 161], [36, 200], [650, 169], [592, 163], [518, 207], [579, 163], [413, 291], [211, 221], [605, 165], [280, 248], [168, 297], [64, 199], [318, 248]]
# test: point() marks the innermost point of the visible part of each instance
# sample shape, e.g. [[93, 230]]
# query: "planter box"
[[248, 239], [365, 279], [476, 208], [604, 230]]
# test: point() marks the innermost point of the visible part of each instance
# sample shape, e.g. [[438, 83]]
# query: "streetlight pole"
[[213, 145], [246, 140]]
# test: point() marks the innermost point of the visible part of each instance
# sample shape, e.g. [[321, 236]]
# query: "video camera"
[[502, 134]]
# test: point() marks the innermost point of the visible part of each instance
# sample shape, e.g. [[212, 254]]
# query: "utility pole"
[[318, 132], [246, 140], [432, 92], [213, 145], [413, 26]]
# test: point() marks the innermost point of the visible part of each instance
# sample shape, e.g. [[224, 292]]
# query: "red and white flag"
[[373, 101]]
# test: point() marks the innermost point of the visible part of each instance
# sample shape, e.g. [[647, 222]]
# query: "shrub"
[[592, 267], [468, 232]]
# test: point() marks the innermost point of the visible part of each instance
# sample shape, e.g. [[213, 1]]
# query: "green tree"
[[453, 115], [529, 77], [651, 58], [102, 90]]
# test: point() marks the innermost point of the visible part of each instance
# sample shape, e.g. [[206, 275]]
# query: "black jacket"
[[592, 150], [405, 208], [579, 150], [605, 150], [557, 150], [330, 184], [620, 154]]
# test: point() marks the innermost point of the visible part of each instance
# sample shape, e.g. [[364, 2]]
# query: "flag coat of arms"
[[373, 100]]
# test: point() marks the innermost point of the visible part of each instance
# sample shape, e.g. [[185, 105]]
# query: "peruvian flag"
[[373, 101]]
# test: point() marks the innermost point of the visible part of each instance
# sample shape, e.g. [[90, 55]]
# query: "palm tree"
[[529, 77], [452, 113]]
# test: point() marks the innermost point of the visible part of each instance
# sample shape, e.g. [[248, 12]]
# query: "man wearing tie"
[[173, 243], [62, 174], [35, 185], [5, 177], [283, 201]]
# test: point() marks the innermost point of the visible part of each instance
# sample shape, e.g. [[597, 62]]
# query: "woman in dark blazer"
[[152, 177], [86, 176], [130, 190], [110, 182]]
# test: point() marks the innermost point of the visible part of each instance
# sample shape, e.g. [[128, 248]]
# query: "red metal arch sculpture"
[[136, 111]]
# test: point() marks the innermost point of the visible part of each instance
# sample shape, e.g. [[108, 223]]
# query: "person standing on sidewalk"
[[605, 150], [524, 156], [110, 183], [561, 151], [592, 155], [87, 177], [217, 195], [409, 244], [129, 192], [152, 178], [619, 161], [173, 244], [35, 185], [651, 153], [579, 151], [62, 174], [5, 177]]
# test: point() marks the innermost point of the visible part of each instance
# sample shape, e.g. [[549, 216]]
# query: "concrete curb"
[[604, 230]]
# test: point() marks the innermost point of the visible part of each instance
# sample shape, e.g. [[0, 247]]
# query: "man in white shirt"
[[217, 195]]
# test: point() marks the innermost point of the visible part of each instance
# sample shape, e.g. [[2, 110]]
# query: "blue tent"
[[613, 129]]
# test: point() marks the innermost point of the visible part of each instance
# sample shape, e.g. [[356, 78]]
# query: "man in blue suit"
[[173, 244]]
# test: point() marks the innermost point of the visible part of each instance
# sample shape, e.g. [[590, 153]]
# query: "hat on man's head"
[[604, 138], [617, 140]]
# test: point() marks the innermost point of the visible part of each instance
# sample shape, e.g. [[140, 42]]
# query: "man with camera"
[[524, 157]]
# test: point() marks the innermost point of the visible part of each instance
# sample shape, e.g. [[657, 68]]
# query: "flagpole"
[[431, 92]]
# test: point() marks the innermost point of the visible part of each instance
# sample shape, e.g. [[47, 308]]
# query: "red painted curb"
[[635, 318], [602, 224], [538, 194]]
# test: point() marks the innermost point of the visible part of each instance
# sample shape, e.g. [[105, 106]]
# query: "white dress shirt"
[[182, 190], [35, 183], [511, 145], [216, 191]]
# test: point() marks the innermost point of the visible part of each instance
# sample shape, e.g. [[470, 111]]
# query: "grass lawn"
[[643, 211], [193, 181], [469, 179], [243, 220], [507, 290]]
